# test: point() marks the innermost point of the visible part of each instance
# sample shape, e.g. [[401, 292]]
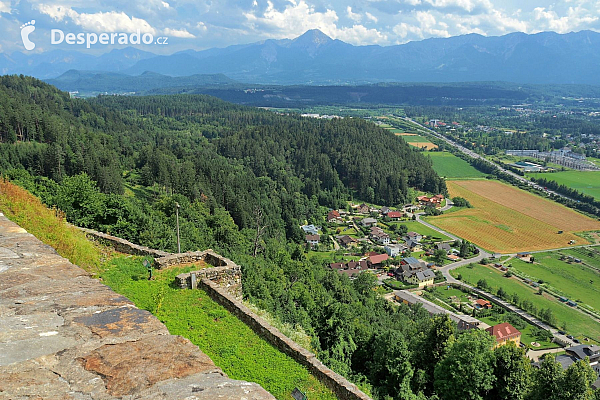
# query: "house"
[[394, 250], [385, 210], [482, 304], [334, 217], [435, 201], [422, 278], [408, 268], [363, 209], [417, 237], [347, 241], [505, 333], [310, 229], [523, 254], [361, 265], [395, 215], [368, 222], [443, 246], [413, 245], [580, 352], [376, 261], [337, 266], [313, 240], [379, 236]]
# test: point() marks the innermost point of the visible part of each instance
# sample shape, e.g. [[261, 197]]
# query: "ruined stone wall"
[[343, 388], [124, 246], [208, 256]]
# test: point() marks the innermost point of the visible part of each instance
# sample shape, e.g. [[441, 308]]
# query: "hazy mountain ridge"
[[314, 58]]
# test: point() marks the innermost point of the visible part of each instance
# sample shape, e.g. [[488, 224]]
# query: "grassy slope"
[[587, 182], [233, 346], [448, 165], [577, 323]]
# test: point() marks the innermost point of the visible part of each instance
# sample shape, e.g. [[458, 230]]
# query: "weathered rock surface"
[[64, 335]]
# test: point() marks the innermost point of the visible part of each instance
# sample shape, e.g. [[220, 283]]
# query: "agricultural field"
[[587, 182], [577, 323], [415, 139], [505, 219], [414, 226], [452, 167], [575, 281]]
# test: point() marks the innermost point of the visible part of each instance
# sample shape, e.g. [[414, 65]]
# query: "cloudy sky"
[[200, 24]]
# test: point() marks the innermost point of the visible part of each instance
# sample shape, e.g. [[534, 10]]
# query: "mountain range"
[[315, 59]]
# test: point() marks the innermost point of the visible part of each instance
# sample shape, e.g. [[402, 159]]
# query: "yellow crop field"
[[427, 145], [505, 219]]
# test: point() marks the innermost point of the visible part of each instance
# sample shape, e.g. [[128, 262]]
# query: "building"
[[310, 229], [379, 236], [376, 261], [505, 333], [576, 353], [395, 215], [394, 250], [347, 241], [434, 201], [414, 236], [334, 217], [313, 240], [443, 246], [422, 278], [363, 209], [368, 222], [482, 304]]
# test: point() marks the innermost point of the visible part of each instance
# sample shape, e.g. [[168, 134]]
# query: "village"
[[408, 257]]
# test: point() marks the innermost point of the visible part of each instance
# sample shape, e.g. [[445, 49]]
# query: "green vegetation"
[[573, 280], [587, 182], [577, 323], [415, 139], [450, 166], [414, 226], [231, 344]]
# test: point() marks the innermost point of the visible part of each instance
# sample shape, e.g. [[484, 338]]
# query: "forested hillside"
[[119, 164]]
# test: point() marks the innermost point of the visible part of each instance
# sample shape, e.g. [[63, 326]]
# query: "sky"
[[201, 24]]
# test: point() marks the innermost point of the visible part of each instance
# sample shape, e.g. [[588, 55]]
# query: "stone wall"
[[65, 335], [223, 276], [124, 246], [208, 256], [343, 388]]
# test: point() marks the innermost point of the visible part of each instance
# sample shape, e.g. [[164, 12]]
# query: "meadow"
[[505, 219], [414, 226], [577, 323], [573, 280], [452, 167], [587, 182]]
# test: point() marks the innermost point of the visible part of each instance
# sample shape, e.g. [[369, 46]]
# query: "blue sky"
[[200, 24]]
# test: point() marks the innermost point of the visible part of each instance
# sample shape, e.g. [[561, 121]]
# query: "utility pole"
[[177, 217]]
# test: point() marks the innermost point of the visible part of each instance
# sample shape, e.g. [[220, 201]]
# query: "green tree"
[[513, 373], [467, 370], [547, 380]]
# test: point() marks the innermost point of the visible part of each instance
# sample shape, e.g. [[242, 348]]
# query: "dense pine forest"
[[119, 164]]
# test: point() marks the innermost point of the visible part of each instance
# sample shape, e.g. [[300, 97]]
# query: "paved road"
[[471, 153], [534, 355]]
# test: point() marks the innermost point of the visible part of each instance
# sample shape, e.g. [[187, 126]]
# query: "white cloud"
[[575, 18], [298, 17], [180, 33], [5, 7], [467, 5], [371, 17], [353, 16], [201, 26], [98, 22], [165, 4]]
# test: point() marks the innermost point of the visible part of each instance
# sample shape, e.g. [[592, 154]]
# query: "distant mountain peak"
[[313, 36]]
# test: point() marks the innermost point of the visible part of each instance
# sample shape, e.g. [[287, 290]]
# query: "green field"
[[415, 139], [231, 344], [575, 281], [587, 182], [577, 323], [450, 166], [414, 226]]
